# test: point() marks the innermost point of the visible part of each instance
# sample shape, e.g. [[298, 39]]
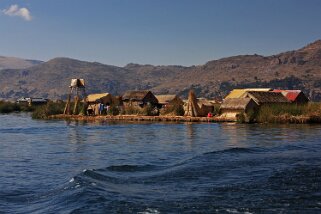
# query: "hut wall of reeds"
[[232, 107]]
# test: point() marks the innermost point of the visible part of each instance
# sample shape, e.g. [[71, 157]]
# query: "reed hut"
[[168, 100], [232, 107], [139, 99], [294, 96], [104, 98], [94, 102], [170, 105], [191, 108], [206, 106], [198, 107]]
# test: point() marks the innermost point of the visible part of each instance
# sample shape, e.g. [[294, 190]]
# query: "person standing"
[[101, 108]]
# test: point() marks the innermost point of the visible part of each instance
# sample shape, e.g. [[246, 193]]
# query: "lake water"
[[76, 167]]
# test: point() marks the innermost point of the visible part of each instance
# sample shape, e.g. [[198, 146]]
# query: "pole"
[[75, 112], [67, 107]]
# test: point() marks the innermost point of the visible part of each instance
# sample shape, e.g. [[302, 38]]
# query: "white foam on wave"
[[71, 180], [149, 211], [230, 210]]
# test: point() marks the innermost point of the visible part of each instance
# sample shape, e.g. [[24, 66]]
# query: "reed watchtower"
[[77, 86]]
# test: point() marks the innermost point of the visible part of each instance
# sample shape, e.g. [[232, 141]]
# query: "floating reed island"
[[283, 118], [139, 118], [251, 105], [272, 113]]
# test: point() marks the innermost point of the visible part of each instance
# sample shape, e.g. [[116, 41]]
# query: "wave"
[[173, 191], [211, 164], [235, 179], [237, 150]]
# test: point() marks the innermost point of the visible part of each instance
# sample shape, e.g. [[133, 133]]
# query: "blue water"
[[77, 167]]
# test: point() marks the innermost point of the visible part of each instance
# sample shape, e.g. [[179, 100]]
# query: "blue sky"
[[158, 32]]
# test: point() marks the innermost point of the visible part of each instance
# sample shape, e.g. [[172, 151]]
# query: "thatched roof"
[[261, 97], [77, 83], [235, 103], [135, 95], [94, 97], [238, 93], [164, 99], [259, 89]]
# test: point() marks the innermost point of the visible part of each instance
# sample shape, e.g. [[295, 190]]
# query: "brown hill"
[[16, 63], [294, 69]]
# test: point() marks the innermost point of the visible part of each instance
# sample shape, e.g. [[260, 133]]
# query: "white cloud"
[[22, 12]]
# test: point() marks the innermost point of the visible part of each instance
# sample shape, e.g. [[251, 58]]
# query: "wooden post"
[[85, 105], [75, 112], [67, 107]]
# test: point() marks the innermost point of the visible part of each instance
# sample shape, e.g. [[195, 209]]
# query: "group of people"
[[103, 108], [98, 109]]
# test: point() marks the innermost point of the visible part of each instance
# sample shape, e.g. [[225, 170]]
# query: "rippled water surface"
[[70, 167]]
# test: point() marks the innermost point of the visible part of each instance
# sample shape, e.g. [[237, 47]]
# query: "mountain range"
[[298, 69]]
